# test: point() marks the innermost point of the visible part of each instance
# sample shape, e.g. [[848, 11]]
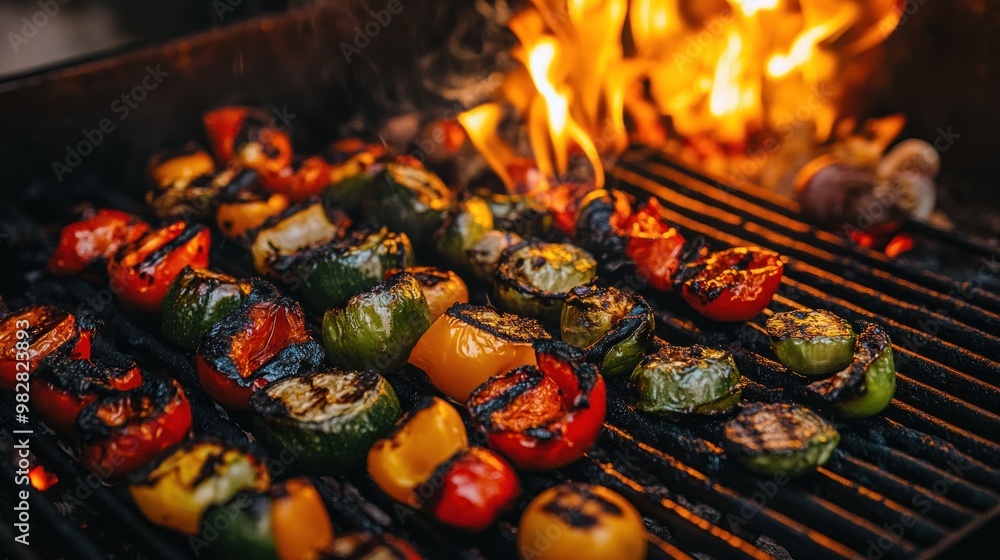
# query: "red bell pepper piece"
[[121, 433], [249, 136], [542, 417], [141, 272], [471, 490], [263, 340], [66, 386], [656, 248], [299, 181], [47, 331], [96, 237], [735, 284]]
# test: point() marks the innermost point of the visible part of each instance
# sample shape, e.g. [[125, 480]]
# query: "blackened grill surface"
[[930, 464]]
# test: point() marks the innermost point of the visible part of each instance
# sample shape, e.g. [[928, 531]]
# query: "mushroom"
[[913, 156]]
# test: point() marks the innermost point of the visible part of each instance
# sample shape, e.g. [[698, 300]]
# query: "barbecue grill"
[[921, 480]]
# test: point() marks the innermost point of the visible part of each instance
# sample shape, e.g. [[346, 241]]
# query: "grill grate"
[[930, 465]]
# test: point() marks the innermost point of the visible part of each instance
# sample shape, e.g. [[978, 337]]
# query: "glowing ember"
[[42, 479], [723, 78]]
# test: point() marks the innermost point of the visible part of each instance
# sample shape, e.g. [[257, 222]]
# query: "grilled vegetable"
[[376, 329], [360, 546], [290, 522], [329, 272], [608, 226], [686, 380], [733, 285], [141, 272], [96, 237], [780, 438], [181, 183], [615, 328], [291, 231], [441, 288], [120, 433], [534, 278], [471, 343], [865, 387], [352, 173], [542, 417], [175, 490], [261, 341], [811, 341], [481, 259], [591, 523], [404, 459], [409, 199], [34, 333], [522, 214], [249, 136], [196, 300], [65, 386], [326, 420], [464, 226], [243, 204], [301, 180], [470, 490]]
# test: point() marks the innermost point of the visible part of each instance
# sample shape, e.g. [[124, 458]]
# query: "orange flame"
[[42, 479], [719, 76]]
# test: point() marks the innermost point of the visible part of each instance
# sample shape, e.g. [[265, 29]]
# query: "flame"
[[722, 77], [42, 479]]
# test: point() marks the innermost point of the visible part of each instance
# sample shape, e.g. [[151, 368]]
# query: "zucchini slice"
[[409, 199], [291, 231], [196, 300], [615, 328], [780, 438], [865, 387], [687, 380], [481, 259], [811, 341], [534, 278]]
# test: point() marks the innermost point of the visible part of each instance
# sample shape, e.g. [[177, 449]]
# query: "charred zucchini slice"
[[481, 259], [811, 341], [329, 272], [521, 214], [780, 438], [377, 328], [196, 300], [326, 420], [409, 199], [865, 387], [291, 231], [534, 278], [613, 327], [686, 380], [463, 227]]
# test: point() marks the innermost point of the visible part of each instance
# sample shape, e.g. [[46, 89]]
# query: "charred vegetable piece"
[[175, 490], [243, 204], [361, 546], [251, 137], [409, 199], [302, 180], [534, 278], [543, 417], [142, 271], [686, 380], [464, 226], [865, 387], [34, 333], [326, 420], [613, 327], [290, 522], [120, 433], [355, 164], [196, 300], [94, 238], [181, 183], [263, 340], [733, 285], [442, 288], [471, 343], [376, 329], [291, 231], [780, 438], [481, 259], [405, 459], [811, 341], [65, 386], [329, 272], [470, 490], [521, 214], [593, 523], [608, 226]]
